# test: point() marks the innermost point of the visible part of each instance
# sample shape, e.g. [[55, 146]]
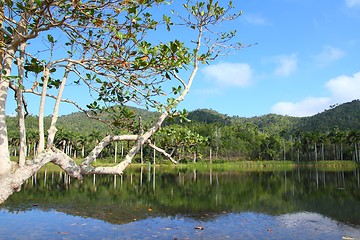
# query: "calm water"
[[181, 204]]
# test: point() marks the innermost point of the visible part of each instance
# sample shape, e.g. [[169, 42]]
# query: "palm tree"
[[32, 138], [59, 140], [297, 144], [14, 141], [307, 140], [315, 136], [95, 137], [82, 140], [337, 138], [322, 139], [217, 140], [74, 140], [353, 138]]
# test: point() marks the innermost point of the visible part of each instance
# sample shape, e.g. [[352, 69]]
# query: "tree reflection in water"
[[146, 193]]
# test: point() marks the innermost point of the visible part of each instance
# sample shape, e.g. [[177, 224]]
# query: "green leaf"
[[50, 38], [132, 10], [38, 2], [173, 47], [167, 76]]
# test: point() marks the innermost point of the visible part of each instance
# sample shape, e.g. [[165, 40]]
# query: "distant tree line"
[[203, 141]]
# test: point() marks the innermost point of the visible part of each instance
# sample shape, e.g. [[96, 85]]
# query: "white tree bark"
[[115, 152], [162, 151], [12, 180], [20, 107], [41, 145], [52, 130], [5, 164]]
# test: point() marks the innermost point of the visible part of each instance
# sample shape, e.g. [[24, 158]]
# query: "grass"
[[332, 165], [222, 165], [242, 166]]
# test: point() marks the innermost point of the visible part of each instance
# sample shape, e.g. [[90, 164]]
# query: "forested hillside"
[[345, 117], [333, 135]]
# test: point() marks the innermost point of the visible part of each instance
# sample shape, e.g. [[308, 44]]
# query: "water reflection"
[[150, 192]]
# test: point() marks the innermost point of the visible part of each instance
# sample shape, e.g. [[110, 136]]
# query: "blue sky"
[[307, 58]]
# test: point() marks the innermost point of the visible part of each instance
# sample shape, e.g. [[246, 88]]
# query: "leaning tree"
[[111, 49]]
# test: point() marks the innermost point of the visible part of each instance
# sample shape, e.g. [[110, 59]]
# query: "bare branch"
[[105, 142], [52, 130], [179, 79], [66, 163], [162, 151]]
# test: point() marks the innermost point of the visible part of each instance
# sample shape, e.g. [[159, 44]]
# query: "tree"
[[270, 147], [106, 47], [353, 138], [179, 139], [337, 138]]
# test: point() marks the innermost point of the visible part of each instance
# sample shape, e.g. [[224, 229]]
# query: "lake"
[[179, 203]]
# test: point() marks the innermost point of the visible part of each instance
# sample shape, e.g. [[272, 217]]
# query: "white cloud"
[[329, 54], [306, 107], [286, 65], [345, 88], [229, 74], [342, 89], [352, 3], [255, 19]]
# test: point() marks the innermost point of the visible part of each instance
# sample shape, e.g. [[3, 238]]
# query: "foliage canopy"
[[104, 47]]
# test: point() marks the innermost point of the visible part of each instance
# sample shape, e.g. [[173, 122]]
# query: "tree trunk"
[[341, 152], [298, 155], [216, 153], [83, 150], [64, 145], [52, 130], [20, 107], [154, 156], [28, 150], [141, 155], [284, 151], [115, 152], [41, 145], [5, 164], [122, 150]]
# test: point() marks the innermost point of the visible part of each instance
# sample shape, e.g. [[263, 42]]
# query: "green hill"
[[208, 116], [344, 116]]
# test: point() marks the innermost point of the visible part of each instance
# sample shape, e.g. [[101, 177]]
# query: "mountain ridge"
[[344, 116]]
